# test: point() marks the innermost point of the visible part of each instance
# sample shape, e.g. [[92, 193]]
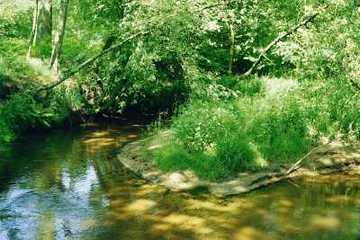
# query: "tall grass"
[[217, 139]]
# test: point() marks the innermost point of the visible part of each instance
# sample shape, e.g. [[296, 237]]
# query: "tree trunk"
[[41, 25], [231, 47], [33, 36], [59, 36]]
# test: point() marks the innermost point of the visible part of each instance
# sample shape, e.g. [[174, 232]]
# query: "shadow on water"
[[69, 185]]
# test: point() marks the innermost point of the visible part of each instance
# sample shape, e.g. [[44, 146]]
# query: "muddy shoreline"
[[331, 158]]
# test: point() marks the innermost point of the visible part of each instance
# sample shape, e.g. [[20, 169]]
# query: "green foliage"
[[175, 157], [235, 151], [185, 43], [281, 132], [249, 86], [224, 122], [334, 109], [21, 112], [13, 66], [229, 161], [212, 142], [15, 73], [244, 134], [6, 134], [329, 52], [15, 25], [15, 115], [248, 133], [201, 123]]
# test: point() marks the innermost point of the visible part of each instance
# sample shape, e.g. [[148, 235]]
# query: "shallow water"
[[69, 185]]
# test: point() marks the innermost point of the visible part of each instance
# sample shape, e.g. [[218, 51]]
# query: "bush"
[[219, 139], [6, 133], [21, 112], [232, 135], [334, 108], [234, 151], [211, 141], [245, 86], [12, 64], [200, 123], [14, 25], [250, 86], [281, 132]]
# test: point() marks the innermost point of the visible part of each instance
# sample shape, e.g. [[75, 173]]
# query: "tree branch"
[[279, 39], [75, 70]]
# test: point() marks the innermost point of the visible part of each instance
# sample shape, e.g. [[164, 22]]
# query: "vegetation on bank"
[[189, 61], [258, 132]]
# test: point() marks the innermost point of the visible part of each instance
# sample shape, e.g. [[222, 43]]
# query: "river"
[[69, 185]]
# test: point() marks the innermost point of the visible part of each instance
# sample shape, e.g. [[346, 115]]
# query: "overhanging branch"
[[75, 70], [278, 39]]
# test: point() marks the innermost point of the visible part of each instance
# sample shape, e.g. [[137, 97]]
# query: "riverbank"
[[69, 185], [327, 159]]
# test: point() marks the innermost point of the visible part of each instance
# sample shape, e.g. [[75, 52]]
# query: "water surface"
[[69, 185]]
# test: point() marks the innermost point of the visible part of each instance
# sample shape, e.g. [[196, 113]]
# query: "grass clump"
[[218, 139], [174, 157], [280, 132], [210, 140]]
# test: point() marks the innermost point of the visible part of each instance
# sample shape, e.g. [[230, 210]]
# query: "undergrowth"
[[219, 138]]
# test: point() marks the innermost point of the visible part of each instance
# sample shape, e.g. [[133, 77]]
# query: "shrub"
[[201, 122], [217, 139], [234, 151], [211, 141], [334, 108], [21, 112], [6, 133], [281, 132], [12, 64]]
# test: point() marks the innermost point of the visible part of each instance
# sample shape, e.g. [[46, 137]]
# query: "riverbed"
[[70, 185]]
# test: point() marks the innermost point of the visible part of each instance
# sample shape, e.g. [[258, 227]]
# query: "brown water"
[[69, 185]]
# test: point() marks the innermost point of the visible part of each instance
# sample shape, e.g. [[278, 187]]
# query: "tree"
[[41, 24], [59, 36], [232, 47]]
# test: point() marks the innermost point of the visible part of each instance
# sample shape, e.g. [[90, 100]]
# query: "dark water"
[[69, 185]]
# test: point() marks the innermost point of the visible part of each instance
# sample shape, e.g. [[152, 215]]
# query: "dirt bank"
[[331, 158]]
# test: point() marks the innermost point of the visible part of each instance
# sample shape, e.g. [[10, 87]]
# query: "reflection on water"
[[70, 186]]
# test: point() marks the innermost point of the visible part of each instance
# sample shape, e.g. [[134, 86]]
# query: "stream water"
[[69, 185]]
